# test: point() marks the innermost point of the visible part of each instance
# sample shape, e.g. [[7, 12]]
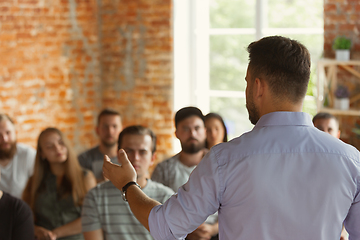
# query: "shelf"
[[327, 70], [334, 111]]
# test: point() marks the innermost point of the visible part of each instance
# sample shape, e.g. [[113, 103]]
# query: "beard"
[[109, 144], [8, 153], [192, 147], [254, 115]]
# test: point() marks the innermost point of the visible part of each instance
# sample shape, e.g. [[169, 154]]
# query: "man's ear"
[[258, 88], [176, 133], [338, 134], [153, 157], [97, 130]]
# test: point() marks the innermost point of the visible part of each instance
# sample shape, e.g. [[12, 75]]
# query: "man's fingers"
[[122, 158], [106, 161], [106, 158]]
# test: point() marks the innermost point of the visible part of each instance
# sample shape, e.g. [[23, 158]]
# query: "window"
[[210, 57]]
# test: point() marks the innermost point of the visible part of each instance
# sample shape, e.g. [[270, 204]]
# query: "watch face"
[[123, 196], [123, 191]]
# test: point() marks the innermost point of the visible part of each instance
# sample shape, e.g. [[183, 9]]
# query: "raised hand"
[[121, 174]]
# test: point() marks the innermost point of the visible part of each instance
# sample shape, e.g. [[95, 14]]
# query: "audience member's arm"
[[204, 231], [90, 181], [68, 229], [94, 235], [74, 227], [140, 204], [24, 224], [42, 233]]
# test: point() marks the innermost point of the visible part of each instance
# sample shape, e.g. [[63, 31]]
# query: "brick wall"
[[342, 17], [62, 61]]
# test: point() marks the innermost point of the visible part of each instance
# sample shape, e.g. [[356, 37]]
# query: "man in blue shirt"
[[283, 180]]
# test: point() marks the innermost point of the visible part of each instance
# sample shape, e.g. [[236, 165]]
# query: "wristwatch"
[[123, 190]]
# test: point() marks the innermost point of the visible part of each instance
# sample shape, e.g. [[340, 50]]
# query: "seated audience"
[[327, 123], [57, 189], [16, 219], [16, 159], [105, 214], [215, 130], [108, 128]]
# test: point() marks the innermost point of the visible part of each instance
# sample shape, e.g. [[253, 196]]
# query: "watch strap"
[[124, 189]]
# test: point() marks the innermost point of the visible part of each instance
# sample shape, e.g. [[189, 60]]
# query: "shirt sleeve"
[[84, 161], [194, 202], [24, 222], [352, 221], [31, 161], [90, 219]]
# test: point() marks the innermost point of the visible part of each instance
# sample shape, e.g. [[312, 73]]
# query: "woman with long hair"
[[215, 129], [57, 188]]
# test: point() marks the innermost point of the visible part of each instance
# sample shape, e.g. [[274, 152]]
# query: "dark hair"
[[107, 112], [323, 115], [4, 116], [187, 112], [138, 130], [283, 63], [218, 117]]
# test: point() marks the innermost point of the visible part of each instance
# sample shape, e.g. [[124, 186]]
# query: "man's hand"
[[204, 232], [121, 174], [44, 234]]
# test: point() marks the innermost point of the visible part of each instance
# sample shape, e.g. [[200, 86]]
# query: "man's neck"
[[110, 151], [142, 182], [191, 159]]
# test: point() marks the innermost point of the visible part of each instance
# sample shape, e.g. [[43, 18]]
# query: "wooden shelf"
[[334, 111], [327, 82]]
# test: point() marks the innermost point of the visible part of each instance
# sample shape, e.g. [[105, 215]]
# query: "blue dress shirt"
[[285, 179]]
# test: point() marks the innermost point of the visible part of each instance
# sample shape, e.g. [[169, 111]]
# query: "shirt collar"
[[284, 119]]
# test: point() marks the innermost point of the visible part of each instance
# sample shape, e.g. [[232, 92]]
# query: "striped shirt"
[[105, 209]]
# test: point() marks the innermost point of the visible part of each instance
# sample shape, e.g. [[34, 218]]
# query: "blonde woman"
[[56, 190]]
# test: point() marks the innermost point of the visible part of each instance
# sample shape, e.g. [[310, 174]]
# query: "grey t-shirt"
[[172, 173], [105, 209], [15, 175], [92, 159]]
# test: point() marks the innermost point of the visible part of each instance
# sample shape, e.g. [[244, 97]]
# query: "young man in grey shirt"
[[108, 128], [105, 212]]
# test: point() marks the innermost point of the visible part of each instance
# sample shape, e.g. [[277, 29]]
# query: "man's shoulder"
[[103, 190], [104, 187], [90, 152], [23, 148], [170, 161], [156, 186], [25, 153], [157, 191]]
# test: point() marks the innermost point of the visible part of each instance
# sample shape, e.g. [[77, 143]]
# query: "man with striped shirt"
[[105, 214]]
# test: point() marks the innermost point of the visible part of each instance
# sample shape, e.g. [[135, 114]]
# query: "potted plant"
[[342, 47], [342, 100]]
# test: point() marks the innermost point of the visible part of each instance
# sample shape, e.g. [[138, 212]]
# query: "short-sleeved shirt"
[[92, 159], [105, 209], [53, 208], [16, 219], [15, 175]]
